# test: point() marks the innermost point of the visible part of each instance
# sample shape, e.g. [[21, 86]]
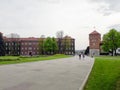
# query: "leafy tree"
[[2, 46], [66, 44], [41, 50], [48, 45], [111, 41], [87, 50], [54, 45]]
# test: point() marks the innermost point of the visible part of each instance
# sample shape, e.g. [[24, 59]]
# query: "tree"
[[48, 45], [2, 46], [41, 50], [54, 45], [67, 43], [87, 50], [111, 41]]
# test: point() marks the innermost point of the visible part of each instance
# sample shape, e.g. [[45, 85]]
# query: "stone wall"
[[94, 52]]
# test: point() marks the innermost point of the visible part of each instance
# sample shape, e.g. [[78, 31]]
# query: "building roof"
[[29, 39], [11, 39], [94, 32], [21, 39], [67, 37]]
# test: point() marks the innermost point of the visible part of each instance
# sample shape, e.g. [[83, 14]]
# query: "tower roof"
[[94, 32]]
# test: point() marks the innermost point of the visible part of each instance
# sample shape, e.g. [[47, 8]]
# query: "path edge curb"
[[86, 78]]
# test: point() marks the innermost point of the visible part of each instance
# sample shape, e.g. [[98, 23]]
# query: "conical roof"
[[94, 32]]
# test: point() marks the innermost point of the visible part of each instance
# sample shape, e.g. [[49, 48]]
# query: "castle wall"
[[94, 52]]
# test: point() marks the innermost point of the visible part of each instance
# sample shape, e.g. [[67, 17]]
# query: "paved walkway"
[[62, 74]]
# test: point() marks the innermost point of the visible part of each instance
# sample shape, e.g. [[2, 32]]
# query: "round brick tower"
[[94, 43]]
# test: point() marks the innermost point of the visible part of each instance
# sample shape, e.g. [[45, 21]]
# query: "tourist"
[[80, 56]]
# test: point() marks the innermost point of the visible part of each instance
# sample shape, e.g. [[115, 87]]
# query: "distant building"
[[66, 45], [94, 43], [12, 46], [29, 46], [34, 46]]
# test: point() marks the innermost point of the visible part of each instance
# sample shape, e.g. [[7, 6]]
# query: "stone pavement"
[[62, 74]]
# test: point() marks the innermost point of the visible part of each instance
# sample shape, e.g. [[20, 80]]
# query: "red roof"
[[11, 39], [21, 39], [95, 32], [29, 39]]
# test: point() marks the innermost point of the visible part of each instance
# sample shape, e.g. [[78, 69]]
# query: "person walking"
[[83, 55], [80, 56]]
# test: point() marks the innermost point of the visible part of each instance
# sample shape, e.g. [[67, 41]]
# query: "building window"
[[25, 52], [25, 48], [25, 43], [94, 44], [72, 44], [30, 48], [6, 44], [30, 43], [22, 53]]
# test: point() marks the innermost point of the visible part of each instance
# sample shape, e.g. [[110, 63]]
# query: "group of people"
[[81, 55]]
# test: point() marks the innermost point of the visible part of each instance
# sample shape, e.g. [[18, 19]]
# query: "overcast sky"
[[77, 18]]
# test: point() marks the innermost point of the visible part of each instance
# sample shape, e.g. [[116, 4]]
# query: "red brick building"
[[66, 45], [94, 43], [31, 46], [12, 46]]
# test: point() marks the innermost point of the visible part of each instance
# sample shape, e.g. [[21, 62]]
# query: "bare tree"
[[60, 34], [42, 36], [13, 35], [15, 44]]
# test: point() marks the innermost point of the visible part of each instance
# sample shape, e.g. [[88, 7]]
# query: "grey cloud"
[[116, 26], [105, 10], [113, 6], [50, 1]]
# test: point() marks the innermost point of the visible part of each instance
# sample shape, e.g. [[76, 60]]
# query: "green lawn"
[[21, 59], [105, 74]]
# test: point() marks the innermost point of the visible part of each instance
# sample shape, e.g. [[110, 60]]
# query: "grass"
[[21, 59], [118, 85], [105, 74]]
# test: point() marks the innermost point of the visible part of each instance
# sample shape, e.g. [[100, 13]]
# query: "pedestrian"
[[93, 55], [83, 55], [80, 56]]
